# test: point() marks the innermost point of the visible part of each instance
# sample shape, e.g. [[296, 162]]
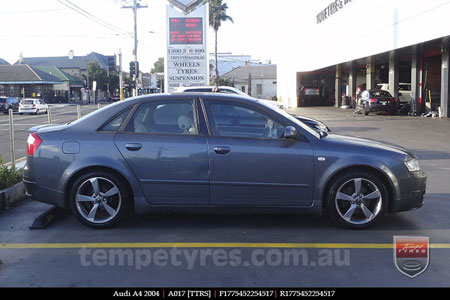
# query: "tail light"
[[33, 142], [373, 100], [34, 105], [393, 100]]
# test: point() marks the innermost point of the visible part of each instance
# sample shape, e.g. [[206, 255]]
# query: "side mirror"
[[291, 133]]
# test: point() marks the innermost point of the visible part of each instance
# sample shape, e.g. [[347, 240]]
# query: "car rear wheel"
[[99, 199], [357, 200]]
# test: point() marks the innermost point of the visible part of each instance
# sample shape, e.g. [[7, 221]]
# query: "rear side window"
[[115, 123], [164, 117]]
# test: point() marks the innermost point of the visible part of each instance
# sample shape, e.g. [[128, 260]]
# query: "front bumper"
[[44, 194], [414, 197]]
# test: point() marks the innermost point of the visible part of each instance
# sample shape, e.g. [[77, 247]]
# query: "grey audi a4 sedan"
[[210, 151]]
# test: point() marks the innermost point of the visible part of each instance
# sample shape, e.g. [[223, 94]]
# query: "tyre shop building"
[[361, 43]]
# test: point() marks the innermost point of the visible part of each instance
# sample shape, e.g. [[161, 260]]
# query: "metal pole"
[[11, 136], [49, 115], [78, 111], [120, 75], [99, 106], [135, 47]]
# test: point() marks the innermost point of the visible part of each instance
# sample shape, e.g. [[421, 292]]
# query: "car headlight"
[[412, 164]]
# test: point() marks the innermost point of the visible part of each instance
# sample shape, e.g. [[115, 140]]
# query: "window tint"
[[115, 123], [235, 120], [170, 117]]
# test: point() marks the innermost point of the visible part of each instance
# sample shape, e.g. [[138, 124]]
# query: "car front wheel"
[[99, 199], [357, 200]]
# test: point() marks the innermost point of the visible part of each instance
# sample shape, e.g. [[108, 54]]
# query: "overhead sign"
[[186, 5], [186, 55], [331, 9]]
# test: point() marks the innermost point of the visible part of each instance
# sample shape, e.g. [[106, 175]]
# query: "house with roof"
[[71, 64], [69, 89], [25, 81], [261, 78], [4, 62]]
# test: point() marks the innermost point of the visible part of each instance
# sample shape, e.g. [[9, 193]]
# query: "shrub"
[[8, 175]]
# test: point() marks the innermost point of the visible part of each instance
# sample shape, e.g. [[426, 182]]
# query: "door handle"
[[133, 147], [222, 149]]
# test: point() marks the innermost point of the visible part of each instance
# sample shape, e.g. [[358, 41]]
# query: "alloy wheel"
[[358, 201], [98, 200]]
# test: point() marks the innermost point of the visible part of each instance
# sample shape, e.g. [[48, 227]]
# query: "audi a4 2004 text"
[[214, 150]]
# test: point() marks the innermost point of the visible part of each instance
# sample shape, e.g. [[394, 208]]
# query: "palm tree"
[[217, 15]]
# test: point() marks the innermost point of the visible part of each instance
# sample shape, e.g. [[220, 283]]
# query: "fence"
[[14, 128]]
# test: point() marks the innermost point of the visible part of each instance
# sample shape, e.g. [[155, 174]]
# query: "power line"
[[93, 18]]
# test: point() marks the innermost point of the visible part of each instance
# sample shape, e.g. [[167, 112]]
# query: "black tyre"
[[99, 199], [357, 199]]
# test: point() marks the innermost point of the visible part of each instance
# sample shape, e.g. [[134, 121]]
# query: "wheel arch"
[[375, 171], [88, 169]]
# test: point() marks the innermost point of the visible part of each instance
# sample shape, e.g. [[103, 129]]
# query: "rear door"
[[164, 147], [251, 163]]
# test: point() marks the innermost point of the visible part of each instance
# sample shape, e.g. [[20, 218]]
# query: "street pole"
[[135, 48], [120, 75], [12, 139], [135, 7]]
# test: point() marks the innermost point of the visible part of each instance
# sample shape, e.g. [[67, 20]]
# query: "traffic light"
[[133, 70]]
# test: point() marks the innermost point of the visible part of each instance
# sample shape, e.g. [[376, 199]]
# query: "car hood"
[[356, 141]]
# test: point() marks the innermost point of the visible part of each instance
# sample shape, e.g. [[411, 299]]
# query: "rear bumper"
[[381, 107], [43, 194]]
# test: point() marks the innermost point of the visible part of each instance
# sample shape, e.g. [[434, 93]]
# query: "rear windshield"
[[2, 100], [26, 102], [380, 94]]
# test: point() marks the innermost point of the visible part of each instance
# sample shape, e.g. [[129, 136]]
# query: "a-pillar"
[[393, 74], [445, 112], [338, 86], [370, 73], [416, 77]]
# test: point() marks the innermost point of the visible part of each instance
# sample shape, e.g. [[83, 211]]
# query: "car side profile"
[[7, 103], [213, 151]]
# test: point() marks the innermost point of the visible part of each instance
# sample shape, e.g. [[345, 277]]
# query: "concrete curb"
[[12, 195]]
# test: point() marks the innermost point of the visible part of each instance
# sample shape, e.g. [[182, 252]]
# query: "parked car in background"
[[7, 103], [224, 90], [32, 106], [313, 123], [404, 91], [213, 151], [377, 101]]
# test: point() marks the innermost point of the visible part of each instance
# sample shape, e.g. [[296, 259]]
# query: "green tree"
[[217, 15], [158, 66], [98, 74]]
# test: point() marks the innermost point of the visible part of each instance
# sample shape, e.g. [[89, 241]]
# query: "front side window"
[[164, 117], [235, 120]]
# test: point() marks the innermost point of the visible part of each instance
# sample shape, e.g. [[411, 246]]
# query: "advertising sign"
[[411, 255], [186, 56]]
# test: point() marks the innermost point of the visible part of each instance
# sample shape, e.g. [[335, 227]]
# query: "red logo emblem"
[[411, 254]]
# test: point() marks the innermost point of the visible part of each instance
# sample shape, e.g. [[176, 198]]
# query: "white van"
[[404, 91]]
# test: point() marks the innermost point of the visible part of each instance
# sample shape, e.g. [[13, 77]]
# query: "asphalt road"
[[61, 114], [243, 250]]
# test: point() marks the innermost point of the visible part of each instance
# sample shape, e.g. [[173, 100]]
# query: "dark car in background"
[[214, 151], [377, 101], [7, 103]]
